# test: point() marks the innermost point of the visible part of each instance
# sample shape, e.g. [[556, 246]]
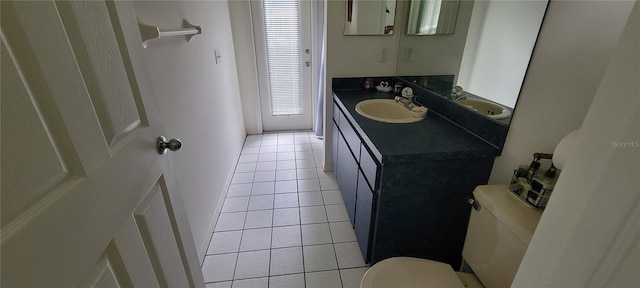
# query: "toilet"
[[498, 235]]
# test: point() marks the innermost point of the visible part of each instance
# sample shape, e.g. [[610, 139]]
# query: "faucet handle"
[[457, 91], [407, 93]]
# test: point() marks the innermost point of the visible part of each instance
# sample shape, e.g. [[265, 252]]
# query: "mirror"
[[367, 17], [488, 53], [432, 17]]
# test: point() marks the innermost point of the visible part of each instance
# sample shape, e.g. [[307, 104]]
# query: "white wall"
[[496, 55], [241, 24], [198, 102], [432, 55], [574, 46], [588, 235]]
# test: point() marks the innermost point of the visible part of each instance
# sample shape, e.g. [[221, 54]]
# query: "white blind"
[[282, 31]]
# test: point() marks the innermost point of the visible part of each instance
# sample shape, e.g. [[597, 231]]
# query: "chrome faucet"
[[404, 100], [406, 97], [457, 94], [459, 98]]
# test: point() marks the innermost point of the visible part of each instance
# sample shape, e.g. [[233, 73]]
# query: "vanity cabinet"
[[351, 158], [405, 199]]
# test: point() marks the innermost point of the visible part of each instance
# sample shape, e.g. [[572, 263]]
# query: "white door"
[[282, 31], [86, 198]]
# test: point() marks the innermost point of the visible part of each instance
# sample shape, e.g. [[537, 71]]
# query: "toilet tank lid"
[[517, 217], [410, 272]]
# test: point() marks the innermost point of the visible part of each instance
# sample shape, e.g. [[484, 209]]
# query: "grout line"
[[304, 270], [235, 266], [288, 274], [271, 240], [335, 253], [333, 243]]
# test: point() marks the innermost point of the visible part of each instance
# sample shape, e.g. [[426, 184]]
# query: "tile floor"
[[283, 222]]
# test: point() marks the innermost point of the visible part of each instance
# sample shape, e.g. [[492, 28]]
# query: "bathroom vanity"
[[406, 186]]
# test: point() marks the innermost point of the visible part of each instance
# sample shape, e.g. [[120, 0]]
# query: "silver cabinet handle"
[[163, 145]]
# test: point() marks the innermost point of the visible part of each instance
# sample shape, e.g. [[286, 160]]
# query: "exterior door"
[[282, 32], [86, 198]]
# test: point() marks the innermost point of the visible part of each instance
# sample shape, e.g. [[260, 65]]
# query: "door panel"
[[79, 166], [151, 217], [34, 151], [96, 47], [108, 271], [134, 255]]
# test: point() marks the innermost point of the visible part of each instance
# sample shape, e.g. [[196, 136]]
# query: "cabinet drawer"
[[369, 167], [350, 136]]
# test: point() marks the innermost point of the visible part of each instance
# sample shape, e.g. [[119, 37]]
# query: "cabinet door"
[[347, 176], [364, 211], [335, 134], [369, 167]]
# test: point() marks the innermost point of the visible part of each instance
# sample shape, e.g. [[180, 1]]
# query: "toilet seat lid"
[[410, 272]]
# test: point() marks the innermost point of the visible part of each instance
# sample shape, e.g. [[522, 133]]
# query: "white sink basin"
[[488, 109], [386, 110]]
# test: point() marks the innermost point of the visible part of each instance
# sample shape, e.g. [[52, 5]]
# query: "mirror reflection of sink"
[[488, 109], [386, 110]]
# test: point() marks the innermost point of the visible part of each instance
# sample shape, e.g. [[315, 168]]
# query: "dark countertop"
[[434, 138]]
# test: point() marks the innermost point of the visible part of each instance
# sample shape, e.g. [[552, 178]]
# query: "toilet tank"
[[498, 235]]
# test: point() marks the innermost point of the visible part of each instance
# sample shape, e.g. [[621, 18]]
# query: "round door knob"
[[163, 145]]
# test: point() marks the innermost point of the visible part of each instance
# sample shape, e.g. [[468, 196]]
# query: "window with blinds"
[[282, 33]]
